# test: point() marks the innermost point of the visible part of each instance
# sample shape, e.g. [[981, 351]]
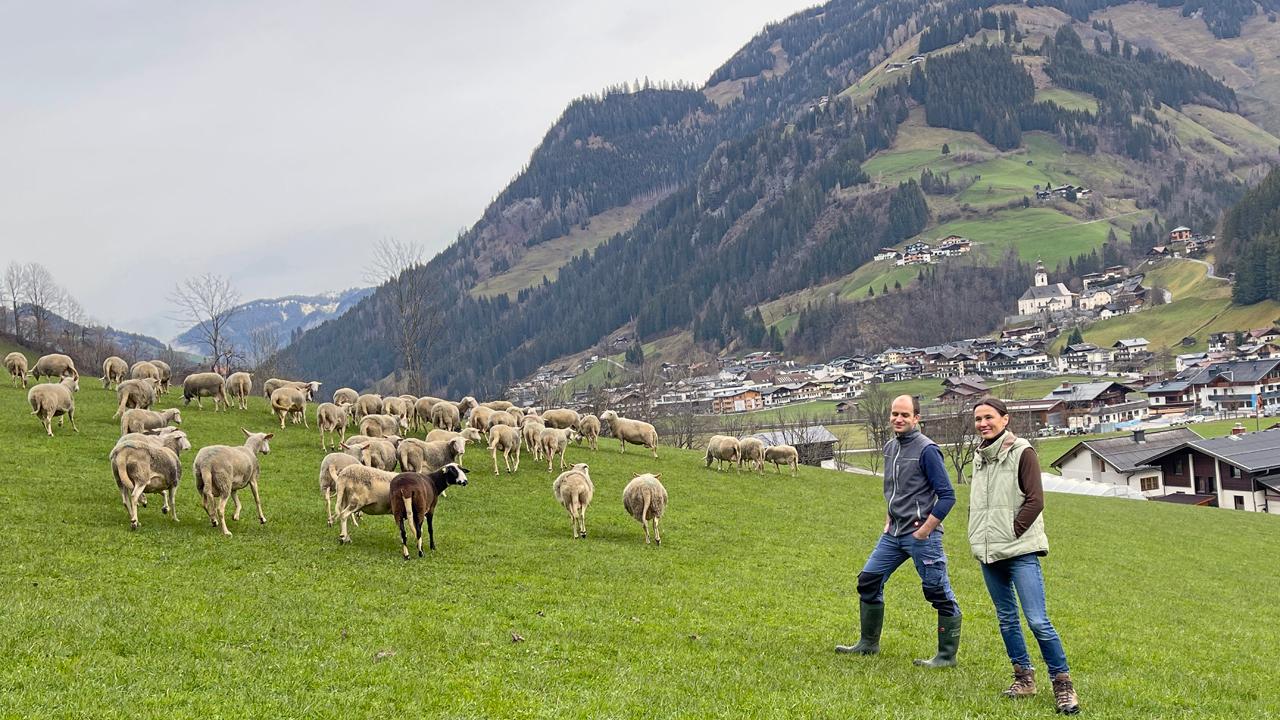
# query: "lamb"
[[345, 396], [148, 466], [222, 470], [646, 499], [382, 425], [331, 418], [377, 453], [419, 456], [722, 447], [361, 489], [166, 374], [751, 451], [589, 427], [636, 432], [202, 385], [506, 440], [139, 420], [553, 441], [135, 394], [288, 400], [414, 495], [781, 455], [445, 416], [574, 489], [16, 364], [54, 365], [113, 371], [560, 418], [54, 400], [470, 434], [531, 430], [330, 466], [239, 386], [143, 370], [310, 387], [368, 404]]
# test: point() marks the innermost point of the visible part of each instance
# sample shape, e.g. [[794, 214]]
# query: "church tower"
[[1042, 277]]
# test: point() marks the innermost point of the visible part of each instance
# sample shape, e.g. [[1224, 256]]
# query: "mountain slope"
[[274, 322]]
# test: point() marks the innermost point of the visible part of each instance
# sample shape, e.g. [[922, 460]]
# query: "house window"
[[1235, 473], [1150, 483], [1239, 502], [1177, 467]]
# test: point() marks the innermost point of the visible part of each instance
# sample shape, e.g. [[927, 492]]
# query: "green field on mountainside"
[[735, 615]]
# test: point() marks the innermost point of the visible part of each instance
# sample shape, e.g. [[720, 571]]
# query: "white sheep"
[[166, 374], [222, 470], [345, 396], [554, 441], [146, 464], [143, 370], [646, 499], [135, 394], [445, 416], [497, 405], [480, 418], [331, 418], [721, 448], [589, 428], [238, 387], [310, 387], [465, 405], [751, 451], [330, 466], [501, 417], [368, 404], [423, 457], [574, 489], [422, 410], [140, 420], [54, 365], [54, 400], [560, 418], [470, 434], [290, 401], [16, 363], [396, 406], [506, 440], [382, 425], [531, 429], [374, 452], [364, 490], [781, 455], [113, 371], [636, 432], [203, 385]]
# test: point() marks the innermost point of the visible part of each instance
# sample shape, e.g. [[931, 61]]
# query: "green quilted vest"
[[994, 501]]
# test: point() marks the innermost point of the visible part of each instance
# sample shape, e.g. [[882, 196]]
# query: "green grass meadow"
[[1165, 611]]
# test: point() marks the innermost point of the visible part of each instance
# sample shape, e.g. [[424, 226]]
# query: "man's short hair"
[[915, 403]]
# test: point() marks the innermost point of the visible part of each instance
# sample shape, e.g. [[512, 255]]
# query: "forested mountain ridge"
[[791, 179]]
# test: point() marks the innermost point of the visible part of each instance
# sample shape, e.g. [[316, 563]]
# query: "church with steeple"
[[1043, 297]]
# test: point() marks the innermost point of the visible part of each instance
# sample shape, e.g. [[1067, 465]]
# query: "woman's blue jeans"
[[1022, 575]]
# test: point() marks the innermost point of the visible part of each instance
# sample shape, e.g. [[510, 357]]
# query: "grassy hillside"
[[733, 616]]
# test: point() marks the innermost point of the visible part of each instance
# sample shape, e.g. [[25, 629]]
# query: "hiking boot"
[[872, 617], [1024, 683], [1064, 694], [948, 644]]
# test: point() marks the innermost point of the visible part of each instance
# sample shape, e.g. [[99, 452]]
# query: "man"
[[919, 495]]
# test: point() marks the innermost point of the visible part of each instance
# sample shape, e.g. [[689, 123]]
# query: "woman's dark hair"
[[995, 404]]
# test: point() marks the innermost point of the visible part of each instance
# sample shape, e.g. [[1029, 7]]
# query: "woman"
[[1006, 534]]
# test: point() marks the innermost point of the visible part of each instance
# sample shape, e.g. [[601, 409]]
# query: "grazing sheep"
[[465, 405], [331, 418], [470, 434], [345, 396], [140, 420], [506, 440], [290, 401], [135, 394], [497, 405], [414, 496], [781, 455], [554, 441], [54, 365], [589, 428], [377, 453], [361, 489], [721, 448], [166, 374], [411, 410], [636, 432], [560, 418], [517, 413], [420, 456], [170, 437], [751, 451], [382, 425], [49, 401], [202, 385], [113, 371], [646, 499], [574, 489], [142, 464], [480, 418], [239, 386], [145, 370], [445, 416], [501, 417], [310, 387], [397, 407], [531, 430], [330, 466], [222, 470], [422, 409], [16, 363], [368, 404]]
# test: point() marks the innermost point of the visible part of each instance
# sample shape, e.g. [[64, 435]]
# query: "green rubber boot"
[[948, 644], [872, 617]]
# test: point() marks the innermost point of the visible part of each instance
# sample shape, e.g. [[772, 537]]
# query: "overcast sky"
[[141, 142]]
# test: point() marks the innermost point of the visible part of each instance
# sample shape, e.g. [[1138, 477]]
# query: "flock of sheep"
[[381, 470]]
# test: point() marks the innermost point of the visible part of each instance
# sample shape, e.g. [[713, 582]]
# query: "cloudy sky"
[[270, 141]]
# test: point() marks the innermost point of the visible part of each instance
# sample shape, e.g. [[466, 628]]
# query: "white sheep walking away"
[[49, 401], [16, 363], [574, 489], [113, 371], [646, 499], [149, 464]]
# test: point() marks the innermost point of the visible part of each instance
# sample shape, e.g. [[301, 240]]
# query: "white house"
[[1118, 460], [1043, 297]]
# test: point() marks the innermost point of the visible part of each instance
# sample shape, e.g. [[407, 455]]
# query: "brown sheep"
[[414, 496]]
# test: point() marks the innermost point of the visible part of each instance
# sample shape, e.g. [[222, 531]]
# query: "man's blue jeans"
[[931, 565], [1022, 574]]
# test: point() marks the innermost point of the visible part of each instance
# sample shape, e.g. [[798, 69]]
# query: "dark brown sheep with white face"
[[414, 496]]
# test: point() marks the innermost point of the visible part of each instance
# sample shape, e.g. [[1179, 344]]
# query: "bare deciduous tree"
[[15, 283], [952, 428], [413, 301], [208, 302], [42, 296], [264, 342]]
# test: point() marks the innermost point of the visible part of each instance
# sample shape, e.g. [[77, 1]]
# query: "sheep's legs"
[[328, 508], [517, 459], [582, 520], [133, 504], [417, 532], [343, 538], [72, 415], [656, 537], [171, 500], [253, 487], [236, 498], [494, 453], [222, 515], [404, 540], [431, 533]]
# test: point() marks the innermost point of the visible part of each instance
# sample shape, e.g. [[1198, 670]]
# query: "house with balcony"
[[1082, 401], [1120, 460], [1240, 471]]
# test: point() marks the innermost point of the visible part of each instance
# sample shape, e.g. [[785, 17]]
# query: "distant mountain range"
[[279, 319]]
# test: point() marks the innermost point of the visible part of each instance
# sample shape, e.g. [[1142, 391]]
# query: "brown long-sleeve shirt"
[[1031, 486]]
